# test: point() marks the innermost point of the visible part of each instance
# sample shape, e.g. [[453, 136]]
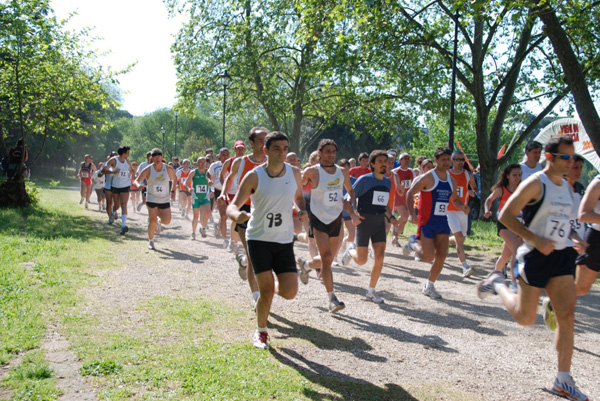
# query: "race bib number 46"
[[380, 198]]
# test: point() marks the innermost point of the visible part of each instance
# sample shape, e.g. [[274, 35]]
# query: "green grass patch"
[[32, 379]]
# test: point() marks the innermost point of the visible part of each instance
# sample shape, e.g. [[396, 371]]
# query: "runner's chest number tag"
[[84, 175], [273, 222], [123, 174], [333, 197], [460, 191], [441, 209], [406, 183], [201, 189], [160, 189], [557, 229], [380, 198]]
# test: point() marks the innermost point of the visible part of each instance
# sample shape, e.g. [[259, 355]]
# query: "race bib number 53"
[[441, 209]]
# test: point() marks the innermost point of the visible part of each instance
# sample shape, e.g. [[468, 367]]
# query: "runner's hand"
[[357, 219], [412, 219], [243, 217], [303, 215], [544, 245], [580, 246]]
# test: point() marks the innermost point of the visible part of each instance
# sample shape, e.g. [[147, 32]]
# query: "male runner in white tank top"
[[326, 204], [546, 258], [273, 188], [121, 172]]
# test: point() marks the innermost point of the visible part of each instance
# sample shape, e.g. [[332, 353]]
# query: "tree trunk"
[[574, 76], [14, 194]]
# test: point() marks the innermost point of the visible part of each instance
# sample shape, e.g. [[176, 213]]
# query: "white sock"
[[123, 220], [497, 285], [563, 376], [331, 295], [465, 264], [429, 283], [255, 295], [261, 329], [371, 290]]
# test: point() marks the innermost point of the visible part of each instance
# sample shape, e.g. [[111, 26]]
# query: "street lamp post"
[[162, 129], [225, 78], [453, 88], [176, 113]]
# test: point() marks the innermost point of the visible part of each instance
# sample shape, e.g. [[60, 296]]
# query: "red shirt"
[[359, 171]]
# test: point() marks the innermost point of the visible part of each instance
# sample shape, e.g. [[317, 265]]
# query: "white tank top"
[[121, 180], [326, 198], [271, 210], [550, 216], [158, 185]]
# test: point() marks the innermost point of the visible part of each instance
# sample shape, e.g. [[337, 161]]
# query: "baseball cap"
[[238, 144], [403, 155]]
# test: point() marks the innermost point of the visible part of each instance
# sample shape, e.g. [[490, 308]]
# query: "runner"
[[240, 167], [273, 187], [533, 151], [229, 190], [326, 204], [185, 192], [406, 176], [98, 181], [157, 175], [458, 221], [372, 193], [141, 167], [546, 259], [201, 195], [121, 170], [350, 228], [437, 189], [86, 170], [509, 180], [362, 168], [214, 172], [294, 161], [108, 191], [135, 190]]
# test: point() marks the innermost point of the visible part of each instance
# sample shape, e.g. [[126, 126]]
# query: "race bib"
[[84, 174], [273, 222], [460, 191], [406, 183], [160, 189], [333, 197], [557, 229], [380, 198], [441, 209], [201, 189], [122, 174]]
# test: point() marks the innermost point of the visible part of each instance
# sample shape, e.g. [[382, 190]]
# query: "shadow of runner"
[[171, 254], [345, 386]]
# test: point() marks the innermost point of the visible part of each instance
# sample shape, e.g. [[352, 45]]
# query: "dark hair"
[[223, 150], [577, 158], [122, 150], [374, 155], [209, 150], [419, 160], [325, 142], [255, 131], [156, 152], [554, 143], [343, 162], [442, 150], [275, 136], [533, 145], [149, 153], [503, 178], [113, 153], [364, 155]]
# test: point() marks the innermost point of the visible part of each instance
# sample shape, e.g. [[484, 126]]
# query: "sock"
[[331, 295], [563, 376], [255, 295], [465, 264], [261, 329], [371, 289], [429, 283], [496, 286], [123, 220]]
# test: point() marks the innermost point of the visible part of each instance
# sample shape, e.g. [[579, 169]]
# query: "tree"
[[48, 83], [298, 59]]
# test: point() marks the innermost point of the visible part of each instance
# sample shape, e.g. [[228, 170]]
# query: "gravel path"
[[460, 343]]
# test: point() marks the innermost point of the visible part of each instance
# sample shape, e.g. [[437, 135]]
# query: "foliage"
[[100, 368]]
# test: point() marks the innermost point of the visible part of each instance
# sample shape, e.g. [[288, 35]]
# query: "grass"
[[180, 349]]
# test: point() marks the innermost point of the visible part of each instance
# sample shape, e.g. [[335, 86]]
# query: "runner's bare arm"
[[588, 203], [418, 185], [142, 176], [299, 196], [246, 188], [456, 200], [490, 199], [188, 179]]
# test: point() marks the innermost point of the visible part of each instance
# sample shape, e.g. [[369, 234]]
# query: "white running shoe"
[[203, 232], [86, 205], [158, 227], [430, 291], [372, 296], [151, 245], [486, 287], [335, 305], [241, 259], [80, 201], [261, 340], [193, 236], [569, 390], [346, 258], [225, 243], [304, 272], [371, 254], [139, 206], [217, 231], [468, 271]]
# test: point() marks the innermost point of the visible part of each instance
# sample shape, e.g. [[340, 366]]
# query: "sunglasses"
[[156, 154], [563, 156], [459, 160]]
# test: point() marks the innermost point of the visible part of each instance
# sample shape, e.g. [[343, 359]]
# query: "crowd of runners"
[[345, 210]]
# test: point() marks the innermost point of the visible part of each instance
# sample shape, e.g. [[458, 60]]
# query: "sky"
[[133, 30]]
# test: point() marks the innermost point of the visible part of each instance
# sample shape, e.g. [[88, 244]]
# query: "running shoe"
[[99, 207], [241, 259], [395, 242], [80, 201], [549, 318], [217, 231], [371, 296], [335, 305], [304, 272], [86, 205], [371, 254], [335, 262], [111, 219], [468, 271], [124, 229], [225, 243], [203, 232], [158, 227], [261, 340], [430, 291], [151, 245], [486, 287], [410, 245], [568, 389], [139, 206], [514, 287], [193, 236], [346, 258], [182, 212], [210, 219]]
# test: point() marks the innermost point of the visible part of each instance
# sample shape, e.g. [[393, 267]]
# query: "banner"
[[574, 129]]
